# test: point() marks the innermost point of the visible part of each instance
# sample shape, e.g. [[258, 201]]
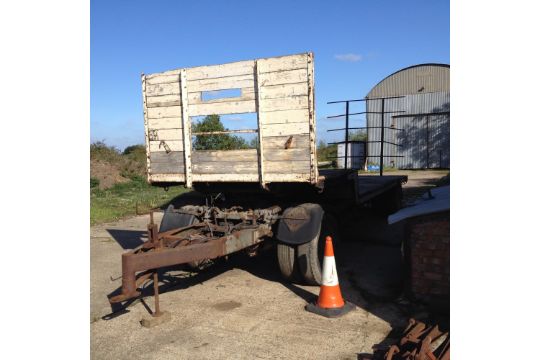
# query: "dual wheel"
[[303, 263]]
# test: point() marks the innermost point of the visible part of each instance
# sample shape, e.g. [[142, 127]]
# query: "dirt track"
[[240, 309]]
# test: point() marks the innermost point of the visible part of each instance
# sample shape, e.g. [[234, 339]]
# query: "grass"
[[126, 199]]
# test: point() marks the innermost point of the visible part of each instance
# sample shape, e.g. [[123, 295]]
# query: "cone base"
[[330, 313]]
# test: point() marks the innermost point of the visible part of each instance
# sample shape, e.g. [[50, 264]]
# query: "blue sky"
[[356, 44]]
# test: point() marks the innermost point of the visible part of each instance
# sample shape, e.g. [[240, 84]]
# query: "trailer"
[[244, 199]]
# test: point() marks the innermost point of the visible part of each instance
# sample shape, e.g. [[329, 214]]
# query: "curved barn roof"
[[416, 79]]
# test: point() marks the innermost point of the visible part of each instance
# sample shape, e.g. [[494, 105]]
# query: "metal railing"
[[381, 155]]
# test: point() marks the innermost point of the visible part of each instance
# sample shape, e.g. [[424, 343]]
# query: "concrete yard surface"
[[240, 308]]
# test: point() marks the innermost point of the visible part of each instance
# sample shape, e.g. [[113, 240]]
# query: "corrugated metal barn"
[[423, 113]]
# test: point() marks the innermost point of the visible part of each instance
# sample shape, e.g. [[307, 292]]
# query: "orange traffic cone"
[[330, 302]]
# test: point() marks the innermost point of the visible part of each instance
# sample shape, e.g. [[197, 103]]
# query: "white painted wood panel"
[[165, 123], [288, 103], [231, 107], [166, 178], [218, 71], [292, 141], [231, 82], [285, 116], [163, 101], [168, 111], [162, 79], [173, 145], [164, 134], [283, 77], [283, 91], [163, 89], [286, 129], [288, 62]]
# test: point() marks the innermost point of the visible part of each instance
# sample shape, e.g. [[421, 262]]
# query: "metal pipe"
[[382, 140]]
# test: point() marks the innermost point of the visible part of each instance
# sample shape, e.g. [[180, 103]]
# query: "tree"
[[216, 142], [358, 135]]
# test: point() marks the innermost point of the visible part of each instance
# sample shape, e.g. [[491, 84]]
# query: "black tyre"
[[310, 255], [288, 265]]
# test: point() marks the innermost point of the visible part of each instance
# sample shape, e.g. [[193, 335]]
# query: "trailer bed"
[[369, 186]]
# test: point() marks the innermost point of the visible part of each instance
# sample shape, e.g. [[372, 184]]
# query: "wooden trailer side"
[[279, 90]]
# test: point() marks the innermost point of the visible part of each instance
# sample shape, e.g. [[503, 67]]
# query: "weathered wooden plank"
[[231, 82], [145, 115], [247, 94], [173, 157], [186, 134], [163, 145], [218, 71], [163, 101], [280, 177], [164, 134], [286, 129], [286, 154], [284, 167], [169, 111], [224, 167], [165, 123], [163, 89], [283, 77], [314, 172], [153, 178], [288, 103], [288, 62], [231, 107], [166, 168], [224, 155], [284, 117], [283, 91], [253, 177], [280, 142], [162, 79]]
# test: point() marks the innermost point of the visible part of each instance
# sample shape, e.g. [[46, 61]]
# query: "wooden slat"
[[162, 79], [166, 178], [284, 117], [288, 103], [169, 111], [254, 177], [224, 155], [231, 107], [163, 100], [232, 82], [283, 77], [284, 167], [218, 71], [163, 89], [314, 172], [166, 168], [165, 123], [288, 62], [247, 94], [164, 134], [278, 142], [174, 145], [283, 91], [174, 157], [286, 154], [186, 134], [281, 177], [286, 129], [225, 167]]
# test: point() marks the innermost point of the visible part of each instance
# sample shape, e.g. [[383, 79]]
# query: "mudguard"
[[300, 224], [172, 220]]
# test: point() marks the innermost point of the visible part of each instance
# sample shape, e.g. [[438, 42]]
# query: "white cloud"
[[348, 57]]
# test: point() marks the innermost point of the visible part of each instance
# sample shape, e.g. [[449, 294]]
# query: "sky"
[[356, 44]]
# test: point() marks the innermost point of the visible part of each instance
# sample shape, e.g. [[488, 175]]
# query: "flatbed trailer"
[[243, 199]]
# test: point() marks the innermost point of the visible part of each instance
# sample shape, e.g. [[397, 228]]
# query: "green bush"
[[94, 183]]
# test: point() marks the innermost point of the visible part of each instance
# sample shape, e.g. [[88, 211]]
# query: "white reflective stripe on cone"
[[329, 274]]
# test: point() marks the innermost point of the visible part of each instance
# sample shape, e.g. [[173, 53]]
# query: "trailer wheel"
[[310, 254], [288, 265]]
